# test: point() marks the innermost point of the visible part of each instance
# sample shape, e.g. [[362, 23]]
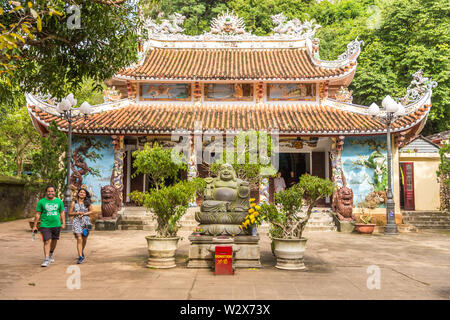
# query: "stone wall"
[[16, 202]]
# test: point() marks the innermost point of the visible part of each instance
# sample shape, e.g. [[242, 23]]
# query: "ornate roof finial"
[[353, 49], [418, 87], [294, 26], [228, 24], [343, 95], [167, 26]]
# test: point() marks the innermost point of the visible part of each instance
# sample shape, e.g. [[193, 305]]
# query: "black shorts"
[[50, 233]]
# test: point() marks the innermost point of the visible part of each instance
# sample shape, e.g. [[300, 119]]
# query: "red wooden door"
[[407, 174]]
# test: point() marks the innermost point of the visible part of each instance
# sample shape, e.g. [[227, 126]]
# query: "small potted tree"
[[168, 203], [288, 221], [365, 226]]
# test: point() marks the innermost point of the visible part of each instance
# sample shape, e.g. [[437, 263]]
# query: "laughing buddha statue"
[[226, 202]]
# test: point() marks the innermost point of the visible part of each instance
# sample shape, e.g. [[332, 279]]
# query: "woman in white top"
[[81, 209]]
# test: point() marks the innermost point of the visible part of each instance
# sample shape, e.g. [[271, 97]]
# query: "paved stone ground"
[[413, 266]]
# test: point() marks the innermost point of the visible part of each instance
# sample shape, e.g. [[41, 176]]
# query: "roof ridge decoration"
[[294, 27], [418, 87], [418, 95], [167, 26], [350, 55], [228, 29], [228, 24]]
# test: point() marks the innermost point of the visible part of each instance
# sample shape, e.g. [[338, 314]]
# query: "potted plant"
[[167, 203], [288, 221], [364, 227]]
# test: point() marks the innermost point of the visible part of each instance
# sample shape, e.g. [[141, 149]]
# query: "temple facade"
[[228, 80]]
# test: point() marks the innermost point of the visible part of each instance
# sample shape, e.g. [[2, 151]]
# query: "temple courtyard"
[[340, 266]]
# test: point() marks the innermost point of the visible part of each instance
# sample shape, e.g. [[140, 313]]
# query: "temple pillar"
[[337, 174], [192, 167], [117, 171], [264, 190]]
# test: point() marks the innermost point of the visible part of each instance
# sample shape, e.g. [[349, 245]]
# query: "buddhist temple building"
[[228, 80]]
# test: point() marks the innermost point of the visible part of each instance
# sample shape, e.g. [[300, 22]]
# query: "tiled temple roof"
[[286, 119], [232, 64]]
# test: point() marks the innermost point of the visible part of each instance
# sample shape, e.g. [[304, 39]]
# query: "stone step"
[[426, 214], [323, 229], [428, 219], [130, 227]]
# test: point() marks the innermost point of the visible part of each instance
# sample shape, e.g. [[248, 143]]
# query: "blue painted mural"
[[365, 168], [93, 163]]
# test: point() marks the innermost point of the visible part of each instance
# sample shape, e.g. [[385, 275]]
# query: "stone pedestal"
[[345, 226], [246, 252], [106, 225]]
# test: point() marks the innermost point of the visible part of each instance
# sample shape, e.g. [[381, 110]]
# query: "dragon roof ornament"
[[294, 27], [167, 26], [418, 87], [352, 53], [353, 50]]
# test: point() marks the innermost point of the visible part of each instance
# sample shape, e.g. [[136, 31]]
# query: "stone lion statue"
[[343, 204], [110, 202]]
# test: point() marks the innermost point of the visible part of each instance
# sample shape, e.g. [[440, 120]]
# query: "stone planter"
[[365, 228], [161, 252], [289, 253]]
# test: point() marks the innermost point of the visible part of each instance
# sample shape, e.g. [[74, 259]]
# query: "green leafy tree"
[[169, 204], [18, 141], [43, 48], [49, 162], [157, 163], [285, 216]]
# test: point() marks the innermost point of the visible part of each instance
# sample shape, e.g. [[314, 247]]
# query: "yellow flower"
[[240, 227], [257, 207], [252, 205], [252, 199], [256, 213], [251, 210]]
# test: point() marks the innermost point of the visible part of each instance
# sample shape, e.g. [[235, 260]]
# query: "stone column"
[[117, 172], [337, 174], [192, 167], [264, 190]]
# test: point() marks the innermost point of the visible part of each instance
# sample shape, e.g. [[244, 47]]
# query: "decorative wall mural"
[[234, 91], [103, 150], [364, 166], [291, 91], [165, 91], [86, 150]]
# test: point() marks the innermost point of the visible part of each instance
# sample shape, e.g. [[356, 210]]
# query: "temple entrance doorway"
[[298, 163]]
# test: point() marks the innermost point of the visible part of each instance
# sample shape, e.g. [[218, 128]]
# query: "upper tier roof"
[[228, 52], [231, 64]]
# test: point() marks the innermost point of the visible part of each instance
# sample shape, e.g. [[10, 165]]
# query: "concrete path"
[[410, 265]]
